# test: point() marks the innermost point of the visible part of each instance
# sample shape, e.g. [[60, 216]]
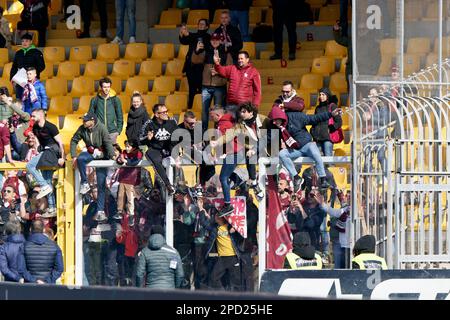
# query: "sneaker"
[[117, 40], [100, 216], [44, 191], [276, 57], [292, 56], [324, 184], [132, 40], [49, 213], [226, 210], [84, 188], [298, 182], [118, 216]]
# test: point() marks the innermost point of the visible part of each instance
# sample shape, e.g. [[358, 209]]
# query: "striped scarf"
[[287, 138], [30, 92]]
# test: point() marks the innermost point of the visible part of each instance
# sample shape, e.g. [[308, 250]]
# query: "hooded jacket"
[[321, 131], [108, 111], [297, 122], [97, 137], [30, 57], [160, 264], [40, 103], [245, 84], [293, 103], [136, 119], [43, 258], [162, 134], [12, 259]]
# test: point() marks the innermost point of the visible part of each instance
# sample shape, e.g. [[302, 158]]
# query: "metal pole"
[[169, 209], [389, 253], [79, 261], [262, 222]]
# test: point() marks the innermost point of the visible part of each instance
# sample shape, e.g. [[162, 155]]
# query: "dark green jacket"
[[112, 108], [160, 264], [97, 137]]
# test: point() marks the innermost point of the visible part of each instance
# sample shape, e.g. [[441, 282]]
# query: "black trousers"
[[194, 76], [281, 19], [200, 268], [67, 3], [155, 157], [230, 266], [86, 7], [248, 281]]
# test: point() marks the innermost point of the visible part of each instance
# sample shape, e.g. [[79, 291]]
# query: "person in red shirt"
[[5, 148], [245, 81]]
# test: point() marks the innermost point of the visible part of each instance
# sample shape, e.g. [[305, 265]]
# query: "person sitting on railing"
[[51, 154], [297, 142], [26, 150], [98, 147], [156, 134]]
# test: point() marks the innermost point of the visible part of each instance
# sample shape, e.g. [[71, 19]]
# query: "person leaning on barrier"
[[98, 147], [303, 255], [364, 255]]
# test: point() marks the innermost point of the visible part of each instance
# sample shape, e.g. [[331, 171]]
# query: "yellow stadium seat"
[[338, 83], [81, 54], [184, 86], [182, 51], [195, 15], [136, 84], [328, 15], [83, 105], [150, 100], [56, 87], [217, 13], [445, 45], [163, 85], [340, 176], [169, 19], [176, 102], [269, 17], [432, 13], [311, 82], [54, 54], [385, 65], [163, 51], [68, 69], [150, 69], [254, 16], [15, 8], [6, 83], [47, 73], [414, 10], [197, 105], [411, 64], [108, 52], [420, 46], [125, 100], [96, 69], [136, 52], [116, 84], [343, 66], [7, 70], [306, 96], [60, 105], [261, 3], [175, 68], [333, 49], [82, 86], [123, 69], [250, 47], [432, 58], [323, 65], [4, 56], [71, 123]]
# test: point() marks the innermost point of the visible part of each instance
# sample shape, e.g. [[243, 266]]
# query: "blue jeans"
[[241, 18], [309, 150], [325, 236], [326, 147], [43, 178], [130, 7], [207, 95], [229, 165], [338, 255], [82, 160]]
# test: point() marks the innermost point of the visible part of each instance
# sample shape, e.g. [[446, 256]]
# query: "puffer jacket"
[[160, 264], [43, 258], [108, 111], [245, 84], [30, 57], [40, 103], [321, 131], [297, 122], [12, 260], [97, 137]]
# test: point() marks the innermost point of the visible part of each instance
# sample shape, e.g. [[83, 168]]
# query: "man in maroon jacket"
[[288, 100], [245, 81], [5, 148]]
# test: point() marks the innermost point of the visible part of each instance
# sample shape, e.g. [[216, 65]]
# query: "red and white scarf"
[[30, 92]]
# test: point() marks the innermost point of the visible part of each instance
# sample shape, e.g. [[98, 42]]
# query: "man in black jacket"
[[27, 56], [194, 71], [43, 257], [232, 39], [284, 13], [157, 135], [239, 12], [304, 146]]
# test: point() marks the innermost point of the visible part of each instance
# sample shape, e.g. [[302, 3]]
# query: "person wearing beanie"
[[321, 131], [303, 255], [364, 255]]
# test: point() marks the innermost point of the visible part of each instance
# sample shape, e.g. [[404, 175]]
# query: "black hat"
[[27, 36], [365, 244], [307, 252], [89, 116], [157, 229], [302, 239]]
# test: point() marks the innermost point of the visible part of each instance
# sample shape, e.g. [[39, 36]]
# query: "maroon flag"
[[279, 236]]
